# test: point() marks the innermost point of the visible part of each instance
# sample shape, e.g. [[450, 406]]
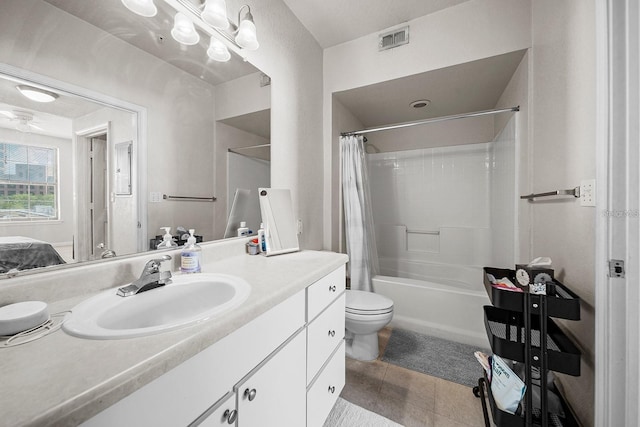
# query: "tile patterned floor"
[[410, 398]]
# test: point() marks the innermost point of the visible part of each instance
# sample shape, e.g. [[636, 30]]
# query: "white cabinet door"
[[274, 394], [222, 414]]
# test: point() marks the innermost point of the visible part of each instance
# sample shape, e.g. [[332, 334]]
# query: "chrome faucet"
[[150, 278]]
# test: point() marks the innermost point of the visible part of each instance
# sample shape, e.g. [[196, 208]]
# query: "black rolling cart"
[[520, 328]]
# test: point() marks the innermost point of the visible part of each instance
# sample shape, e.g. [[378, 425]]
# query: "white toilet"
[[366, 313]]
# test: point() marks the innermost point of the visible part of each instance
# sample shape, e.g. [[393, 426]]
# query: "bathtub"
[[435, 299]]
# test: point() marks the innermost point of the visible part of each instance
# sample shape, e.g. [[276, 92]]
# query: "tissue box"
[[526, 275]]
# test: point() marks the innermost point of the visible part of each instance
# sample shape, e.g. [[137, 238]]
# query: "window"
[[28, 183]]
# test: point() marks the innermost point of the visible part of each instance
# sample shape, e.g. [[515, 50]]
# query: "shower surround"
[[440, 215]]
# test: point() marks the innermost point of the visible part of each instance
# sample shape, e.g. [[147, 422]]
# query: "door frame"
[[617, 373], [81, 187]]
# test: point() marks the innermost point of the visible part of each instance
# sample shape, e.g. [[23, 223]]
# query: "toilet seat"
[[367, 303]]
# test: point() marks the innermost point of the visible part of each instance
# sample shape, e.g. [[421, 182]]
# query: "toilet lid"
[[367, 303]]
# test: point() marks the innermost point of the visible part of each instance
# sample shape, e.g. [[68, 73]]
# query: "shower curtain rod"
[[433, 120], [249, 147]]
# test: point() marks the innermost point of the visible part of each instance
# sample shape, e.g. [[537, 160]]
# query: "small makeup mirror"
[[279, 224]]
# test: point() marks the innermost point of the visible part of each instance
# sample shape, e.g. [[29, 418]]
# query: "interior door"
[[98, 204]]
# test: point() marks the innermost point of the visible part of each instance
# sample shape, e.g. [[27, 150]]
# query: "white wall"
[[469, 31], [440, 134], [502, 196], [563, 149], [293, 59], [54, 232], [517, 92], [241, 96]]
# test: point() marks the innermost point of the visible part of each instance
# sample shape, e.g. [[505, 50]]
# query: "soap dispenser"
[[190, 261], [243, 230], [167, 240]]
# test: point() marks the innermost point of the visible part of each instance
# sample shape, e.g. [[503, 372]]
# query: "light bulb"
[[218, 51], [246, 37], [215, 14], [144, 8], [183, 30]]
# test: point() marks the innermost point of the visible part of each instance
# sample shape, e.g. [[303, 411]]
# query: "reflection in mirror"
[[279, 224], [249, 169], [164, 122]]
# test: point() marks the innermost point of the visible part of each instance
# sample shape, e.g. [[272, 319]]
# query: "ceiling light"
[[183, 30], [420, 103], [37, 95], [215, 14], [144, 8], [218, 51], [246, 37]]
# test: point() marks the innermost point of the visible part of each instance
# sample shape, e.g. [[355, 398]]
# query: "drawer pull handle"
[[230, 416], [250, 394], [332, 333], [332, 288], [332, 389]]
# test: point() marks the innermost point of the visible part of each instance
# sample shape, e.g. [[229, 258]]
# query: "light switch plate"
[[155, 197], [588, 192]]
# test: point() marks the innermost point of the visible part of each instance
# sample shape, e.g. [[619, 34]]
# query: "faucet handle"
[[153, 265]]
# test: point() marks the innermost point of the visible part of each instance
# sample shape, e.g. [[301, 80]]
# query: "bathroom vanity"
[[278, 359]]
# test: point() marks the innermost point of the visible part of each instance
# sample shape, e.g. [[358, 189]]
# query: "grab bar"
[[189, 198], [435, 233], [575, 192]]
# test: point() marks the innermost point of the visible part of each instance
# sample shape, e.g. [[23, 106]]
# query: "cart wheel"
[[476, 391]]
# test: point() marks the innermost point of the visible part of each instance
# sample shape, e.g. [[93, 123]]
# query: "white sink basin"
[[190, 299]]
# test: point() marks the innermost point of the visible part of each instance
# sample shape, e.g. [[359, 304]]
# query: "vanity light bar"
[[191, 10]]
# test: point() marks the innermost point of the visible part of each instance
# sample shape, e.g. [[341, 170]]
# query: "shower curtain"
[[361, 242]]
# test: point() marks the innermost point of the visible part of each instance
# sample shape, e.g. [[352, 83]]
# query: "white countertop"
[[63, 380]]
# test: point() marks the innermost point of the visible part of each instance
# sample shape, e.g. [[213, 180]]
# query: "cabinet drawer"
[[323, 336], [325, 290], [325, 390]]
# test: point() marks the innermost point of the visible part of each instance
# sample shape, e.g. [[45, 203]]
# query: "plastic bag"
[[507, 388]]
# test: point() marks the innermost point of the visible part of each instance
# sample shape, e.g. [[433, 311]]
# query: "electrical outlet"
[[588, 192], [155, 197], [300, 228]]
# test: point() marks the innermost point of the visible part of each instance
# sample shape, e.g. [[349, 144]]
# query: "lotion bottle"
[[262, 244], [243, 230], [167, 240], [190, 260]]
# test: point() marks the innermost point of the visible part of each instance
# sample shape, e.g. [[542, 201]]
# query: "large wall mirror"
[[142, 132]]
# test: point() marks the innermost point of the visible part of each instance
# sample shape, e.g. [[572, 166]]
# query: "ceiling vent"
[[393, 38]]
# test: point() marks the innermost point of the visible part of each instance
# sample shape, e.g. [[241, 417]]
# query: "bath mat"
[[346, 414], [433, 356]]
